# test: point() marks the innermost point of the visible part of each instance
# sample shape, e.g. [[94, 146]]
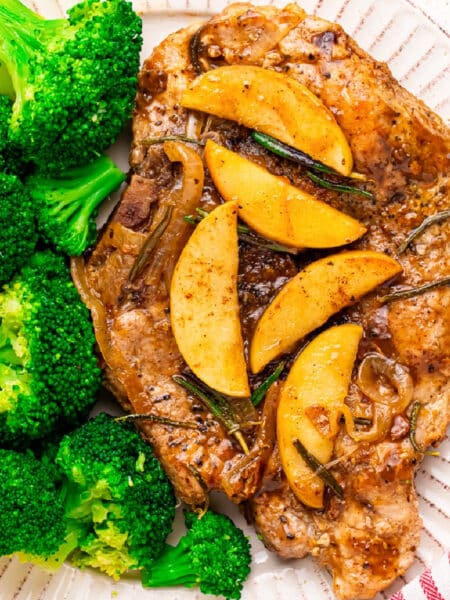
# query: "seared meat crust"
[[369, 538]]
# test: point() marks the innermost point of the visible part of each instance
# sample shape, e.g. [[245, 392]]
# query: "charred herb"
[[417, 291], [285, 151], [337, 187], [171, 138], [220, 406], [150, 244], [431, 220], [318, 469], [245, 234], [312, 166], [415, 410], [158, 419], [195, 49]]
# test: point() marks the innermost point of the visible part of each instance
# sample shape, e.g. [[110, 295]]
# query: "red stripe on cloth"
[[429, 586], [398, 596]]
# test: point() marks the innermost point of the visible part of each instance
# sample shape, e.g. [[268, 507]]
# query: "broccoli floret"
[[67, 204], [11, 158], [118, 494], [18, 230], [31, 510], [214, 555], [5, 117], [73, 80], [48, 372]]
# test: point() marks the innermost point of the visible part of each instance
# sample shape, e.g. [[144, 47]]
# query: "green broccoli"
[[18, 229], [214, 554], [67, 204], [48, 372], [5, 117], [117, 494], [32, 521], [11, 159], [73, 80]]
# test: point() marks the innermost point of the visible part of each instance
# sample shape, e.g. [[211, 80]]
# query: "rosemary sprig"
[[218, 405], [415, 410], [158, 419], [312, 166], [260, 393], [171, 138], [245, 234], [150, 244], [317, 467], [417, 291], [431, 220], [337, 187], [285, 151]]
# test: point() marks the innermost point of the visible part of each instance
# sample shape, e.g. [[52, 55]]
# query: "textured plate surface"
[[412, 36]]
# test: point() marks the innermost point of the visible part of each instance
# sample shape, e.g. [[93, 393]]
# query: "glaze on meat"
[[369, 538]]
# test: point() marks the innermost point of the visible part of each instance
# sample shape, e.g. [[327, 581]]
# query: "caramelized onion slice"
[[170, 232], [381, 423], [390, 387], [385, 381], [191, 193]]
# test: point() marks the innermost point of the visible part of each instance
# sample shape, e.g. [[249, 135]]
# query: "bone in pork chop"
[[369, 538]]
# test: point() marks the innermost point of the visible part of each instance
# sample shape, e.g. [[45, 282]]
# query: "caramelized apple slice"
[[274, 208], [204, 304], [310, 407], [309, 299], [275, 104]]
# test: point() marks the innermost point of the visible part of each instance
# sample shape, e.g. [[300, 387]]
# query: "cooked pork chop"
[[369, 538]]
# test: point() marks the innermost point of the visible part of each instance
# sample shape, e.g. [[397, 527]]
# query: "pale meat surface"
[[369, 538]]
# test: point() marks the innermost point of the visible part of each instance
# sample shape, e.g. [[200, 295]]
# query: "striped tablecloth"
[[433, 584]]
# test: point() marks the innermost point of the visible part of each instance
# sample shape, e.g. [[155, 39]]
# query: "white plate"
[[413, 37]]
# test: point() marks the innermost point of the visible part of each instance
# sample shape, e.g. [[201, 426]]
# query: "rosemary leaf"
[[260, 393], [285, 151], [297, 156], [431, 220], [317, 467], [337, 187], [158, 419], [412, 430], [417, 291], [190, 219], [150, 244], [245, 234], [256, 240], [218, 405], [171, 138]]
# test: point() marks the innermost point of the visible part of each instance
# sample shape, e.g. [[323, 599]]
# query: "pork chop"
[[369, 538]]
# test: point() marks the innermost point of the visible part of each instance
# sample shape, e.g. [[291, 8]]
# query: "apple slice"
[[310, 298], [275, 104], [204, 304], [274, 208], [311, 404]]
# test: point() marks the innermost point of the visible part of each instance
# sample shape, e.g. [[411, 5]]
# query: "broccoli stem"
[[68, 204], [83, 189], [173, 567]]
